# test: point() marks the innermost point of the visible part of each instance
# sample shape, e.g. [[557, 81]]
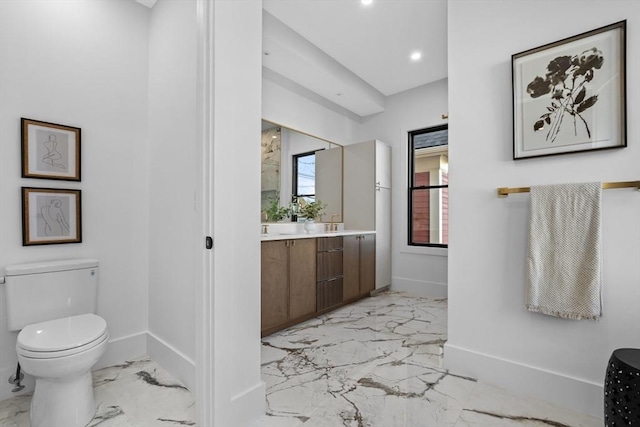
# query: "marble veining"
[[379, 363], [152, 380], [375, 363], [518, 418], [137, 393]]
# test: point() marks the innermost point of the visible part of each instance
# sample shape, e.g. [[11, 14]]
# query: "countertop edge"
[[270, 237]]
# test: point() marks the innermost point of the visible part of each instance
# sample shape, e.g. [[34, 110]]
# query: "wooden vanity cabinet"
[[302, 278], [288, 282], [359, 266]]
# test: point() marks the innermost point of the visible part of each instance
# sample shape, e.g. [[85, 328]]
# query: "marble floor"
[[378, 363], [138, 393]]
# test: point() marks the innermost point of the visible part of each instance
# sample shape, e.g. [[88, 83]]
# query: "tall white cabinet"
[[367, 198]]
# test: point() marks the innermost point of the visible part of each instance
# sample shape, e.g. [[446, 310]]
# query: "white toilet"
[[53, 305]]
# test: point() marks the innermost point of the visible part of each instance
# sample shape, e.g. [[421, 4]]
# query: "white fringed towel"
[[564, 260]]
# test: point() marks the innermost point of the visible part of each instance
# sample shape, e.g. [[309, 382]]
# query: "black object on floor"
[[622, 388]]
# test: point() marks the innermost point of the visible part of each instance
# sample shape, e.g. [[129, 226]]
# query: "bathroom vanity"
[[304, 275], [307, 274]]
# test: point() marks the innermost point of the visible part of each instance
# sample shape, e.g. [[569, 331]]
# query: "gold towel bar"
[[505, 191]]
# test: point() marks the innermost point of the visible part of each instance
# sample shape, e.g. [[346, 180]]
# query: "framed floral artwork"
[[50, 151], [51, 215], [569, 96]]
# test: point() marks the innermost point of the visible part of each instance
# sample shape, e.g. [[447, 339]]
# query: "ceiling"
[[351, 55], [356, 55]]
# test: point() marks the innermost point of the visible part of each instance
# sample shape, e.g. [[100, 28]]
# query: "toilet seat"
[[62, 337]]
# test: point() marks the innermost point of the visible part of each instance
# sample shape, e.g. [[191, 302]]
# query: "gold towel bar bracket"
[[505, 191]]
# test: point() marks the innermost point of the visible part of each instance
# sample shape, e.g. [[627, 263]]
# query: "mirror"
[[295, 163]]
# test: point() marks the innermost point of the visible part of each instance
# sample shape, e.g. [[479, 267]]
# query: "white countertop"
[[304, 235]]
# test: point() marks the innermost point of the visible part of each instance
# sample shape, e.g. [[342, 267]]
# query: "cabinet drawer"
[[329, 265], [326, 244], [329, 293]]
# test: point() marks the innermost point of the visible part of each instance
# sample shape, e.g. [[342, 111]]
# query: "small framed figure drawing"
[[569, 96], [50, 151], [51, 216]]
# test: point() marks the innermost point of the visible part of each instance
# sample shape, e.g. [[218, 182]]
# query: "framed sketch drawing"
[[51, 216], [569, 96], [50, 151]]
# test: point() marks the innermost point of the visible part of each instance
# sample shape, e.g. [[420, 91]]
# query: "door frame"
[[205, 341]]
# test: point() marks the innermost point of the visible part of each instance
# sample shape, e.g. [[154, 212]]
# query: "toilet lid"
[[62, 334]]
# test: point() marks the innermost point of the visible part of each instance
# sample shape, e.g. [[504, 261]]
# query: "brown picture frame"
[[50, 150], [51, 216]]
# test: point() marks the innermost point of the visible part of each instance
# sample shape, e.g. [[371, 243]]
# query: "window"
[[428, 187], [304, 176]]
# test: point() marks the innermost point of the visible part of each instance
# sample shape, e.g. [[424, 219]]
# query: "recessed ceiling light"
[[366, 2], [416, 56]]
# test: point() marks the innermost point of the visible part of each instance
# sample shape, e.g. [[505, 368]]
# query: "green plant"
[[311, 210], [274, 211]]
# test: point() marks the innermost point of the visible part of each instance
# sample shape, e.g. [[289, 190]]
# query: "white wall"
[[421, 271], [491, 336], [173, 183], [82, 64]]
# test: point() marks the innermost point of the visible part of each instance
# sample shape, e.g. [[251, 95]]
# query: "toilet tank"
[[48, 290]]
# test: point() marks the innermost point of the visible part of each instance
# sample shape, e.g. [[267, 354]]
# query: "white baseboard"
[[179, 365], [574, 393], [249, 405], [420, 288], [122, 349]]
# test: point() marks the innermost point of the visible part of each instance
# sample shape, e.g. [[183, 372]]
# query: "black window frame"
[[294, 174], [413, 187]]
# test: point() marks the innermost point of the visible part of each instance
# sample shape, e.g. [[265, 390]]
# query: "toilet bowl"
[[60, 354], [53, 305]]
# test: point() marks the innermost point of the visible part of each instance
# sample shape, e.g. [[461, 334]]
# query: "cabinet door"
[[274, 283], [367, 263], [383, 165], [383, 237], [359, 186], [302, 276], [351, 272]]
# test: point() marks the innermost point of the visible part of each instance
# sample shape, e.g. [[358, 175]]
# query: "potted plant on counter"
[[311, 211], [274, 212]]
